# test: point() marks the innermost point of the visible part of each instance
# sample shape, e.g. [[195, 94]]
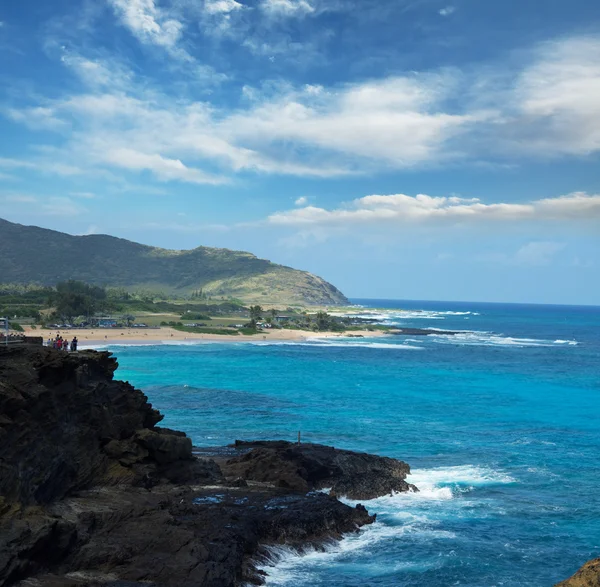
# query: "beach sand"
[[164, 335]]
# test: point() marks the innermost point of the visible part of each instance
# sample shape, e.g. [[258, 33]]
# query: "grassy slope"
[[36, 255]]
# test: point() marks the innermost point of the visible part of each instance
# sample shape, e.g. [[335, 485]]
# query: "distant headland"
[[32, 255]]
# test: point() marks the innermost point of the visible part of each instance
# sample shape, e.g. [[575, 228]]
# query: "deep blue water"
[[500, 425]]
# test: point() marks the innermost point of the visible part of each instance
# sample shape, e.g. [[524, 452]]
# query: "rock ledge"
[[93, 493]]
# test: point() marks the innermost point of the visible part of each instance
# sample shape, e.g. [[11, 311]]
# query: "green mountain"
[[29, 254]]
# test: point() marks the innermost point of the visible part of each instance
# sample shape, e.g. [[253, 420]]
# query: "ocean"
[[500, 425]]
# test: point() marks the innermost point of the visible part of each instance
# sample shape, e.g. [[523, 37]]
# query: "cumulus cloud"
[[559, 97], [164, 168], [301, 201], [401, 208], [287, 7], [394, 121], [149, 23], [222, 6], [549, 108]]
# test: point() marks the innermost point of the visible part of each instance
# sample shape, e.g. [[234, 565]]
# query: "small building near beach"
[[106, 322], [283, 318]]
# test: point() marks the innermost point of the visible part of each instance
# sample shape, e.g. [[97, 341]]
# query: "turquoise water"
[[500, 425]]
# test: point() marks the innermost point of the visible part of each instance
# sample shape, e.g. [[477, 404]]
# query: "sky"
[[401, 149]]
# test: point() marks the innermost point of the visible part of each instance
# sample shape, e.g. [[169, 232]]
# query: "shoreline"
[[166, 335]]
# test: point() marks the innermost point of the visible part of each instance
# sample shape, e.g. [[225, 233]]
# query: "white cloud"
[[9, 163], [558, 98], [448, 11], [164, 168], [20, 199], [150, 24], [538, 253], [400, 208], [393, 122], [287, 7], [36, 118], [222, 6], [302, 201], [398, 122], [97, 72], [60, 206]]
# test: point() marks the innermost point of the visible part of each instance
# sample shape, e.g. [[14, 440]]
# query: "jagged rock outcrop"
[[586, 576], [94, 493], [65, 424], [304, 467]]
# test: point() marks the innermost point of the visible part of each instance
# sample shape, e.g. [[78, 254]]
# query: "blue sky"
[[416, 149]]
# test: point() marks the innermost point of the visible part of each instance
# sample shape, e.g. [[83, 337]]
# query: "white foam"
[[406, 516], [288, 567], [439, 484], [392, 316], [340, 343], [470, 338], [526, 441], [471, 475]]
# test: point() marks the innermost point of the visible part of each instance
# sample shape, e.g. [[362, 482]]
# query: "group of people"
[[62, 344]]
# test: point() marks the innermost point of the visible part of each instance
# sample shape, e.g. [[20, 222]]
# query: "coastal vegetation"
[[32, 255], [74, 303]]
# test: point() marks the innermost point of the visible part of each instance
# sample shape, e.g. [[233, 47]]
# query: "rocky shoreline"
[[94, 493]]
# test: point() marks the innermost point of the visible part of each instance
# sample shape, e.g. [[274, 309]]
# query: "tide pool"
[[499, 423]]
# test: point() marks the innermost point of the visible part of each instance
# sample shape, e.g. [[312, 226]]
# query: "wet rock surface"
[[94, 493], [306, 467]]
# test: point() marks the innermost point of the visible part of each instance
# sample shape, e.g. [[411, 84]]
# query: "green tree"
[[271, 316], [256, 313], [75, 298], [323, 321]]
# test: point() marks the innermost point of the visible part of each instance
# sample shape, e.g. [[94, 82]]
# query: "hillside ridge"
[[31, 254]]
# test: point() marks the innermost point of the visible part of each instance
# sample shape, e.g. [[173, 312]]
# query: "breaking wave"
[[473, 338], [409, 517]]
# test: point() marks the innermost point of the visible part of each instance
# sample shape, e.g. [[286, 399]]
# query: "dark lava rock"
[[66, 424], [172, 537], [587, 576], [93, 493], [304, 467]]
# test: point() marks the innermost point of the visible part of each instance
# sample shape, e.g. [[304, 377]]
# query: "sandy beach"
[[164, 335]]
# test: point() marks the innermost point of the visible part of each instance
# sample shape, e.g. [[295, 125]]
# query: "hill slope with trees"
[[30, 254]]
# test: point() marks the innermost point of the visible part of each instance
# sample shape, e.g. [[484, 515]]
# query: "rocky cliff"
[[94, 493], [587, 576]]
